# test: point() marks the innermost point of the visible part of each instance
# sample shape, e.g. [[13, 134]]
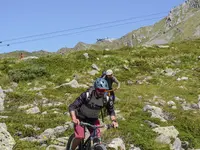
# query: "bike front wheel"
[[70, 142]]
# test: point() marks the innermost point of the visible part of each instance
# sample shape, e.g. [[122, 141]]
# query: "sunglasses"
[[101, 90]]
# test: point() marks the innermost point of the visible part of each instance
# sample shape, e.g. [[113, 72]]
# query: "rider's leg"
[[79, 135], [112, 95], [76, 142]]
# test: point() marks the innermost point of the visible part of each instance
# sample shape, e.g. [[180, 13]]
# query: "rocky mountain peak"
[[81, 45], [182, 12]]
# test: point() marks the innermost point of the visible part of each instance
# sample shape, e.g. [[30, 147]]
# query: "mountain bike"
[[108, 93], [92, 142]]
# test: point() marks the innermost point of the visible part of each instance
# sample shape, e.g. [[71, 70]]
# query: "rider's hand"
[[76, 121], [115, 124]]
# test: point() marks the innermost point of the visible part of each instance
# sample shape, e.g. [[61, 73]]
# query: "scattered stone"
[[163, 139], [156, 112], [126, 67], [129, 82], [94, 66], [117, 143], [3, 117], [73, 84], [163, 46], [151, 124], [38, 88], [25, 106], [170, 72], [6, 140], [132, 147], [33, 110], [171, 103], [2, 96], [182, 78], [29, 57], [86, 55], [169, 131], [176, 145], [93, 72]]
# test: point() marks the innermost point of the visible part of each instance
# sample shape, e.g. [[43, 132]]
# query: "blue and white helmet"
[[101, 83]]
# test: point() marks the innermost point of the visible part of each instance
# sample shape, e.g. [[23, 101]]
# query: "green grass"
[[142, 62]]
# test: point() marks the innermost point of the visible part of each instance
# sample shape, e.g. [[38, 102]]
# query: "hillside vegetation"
[[149, 76]]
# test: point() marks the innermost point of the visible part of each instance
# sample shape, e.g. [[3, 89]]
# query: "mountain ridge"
[[180, 24]]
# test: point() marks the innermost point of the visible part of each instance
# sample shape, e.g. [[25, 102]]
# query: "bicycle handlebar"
[[108, 126]]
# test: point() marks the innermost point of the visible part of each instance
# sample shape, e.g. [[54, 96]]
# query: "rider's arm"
[[117, 82], [111, 111], [76, 104]]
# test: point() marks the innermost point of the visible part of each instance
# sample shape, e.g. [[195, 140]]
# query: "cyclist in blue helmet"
[[87, 108]]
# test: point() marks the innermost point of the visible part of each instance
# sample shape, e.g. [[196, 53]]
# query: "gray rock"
[[176, 145], [30, 139], [73, 84], [47, 134], [117, 143], [129, 82], [163, 139], [156, 112], [6, 140], [132, 147], [3, 125], [126, 67], [29, 57], [86, 55], [3, 117], [151, 124], [93, 72], [94, 66], [25, 106], [2, 96], [33, 110], [169, 72], [171, 103], [169, 131], [182, 78]]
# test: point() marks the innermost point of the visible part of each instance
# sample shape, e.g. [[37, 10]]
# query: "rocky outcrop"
[[6, 140], [2, 96]]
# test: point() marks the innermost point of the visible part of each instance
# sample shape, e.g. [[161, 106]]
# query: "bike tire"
[[100, 147], [70, 141]]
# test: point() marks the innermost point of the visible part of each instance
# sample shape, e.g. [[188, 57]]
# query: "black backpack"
[[107, 99], [103, 74]]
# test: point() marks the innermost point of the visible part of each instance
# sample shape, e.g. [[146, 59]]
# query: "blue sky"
[[21, 18]]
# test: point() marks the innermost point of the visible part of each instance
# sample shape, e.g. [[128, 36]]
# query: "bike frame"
[[93, 135]]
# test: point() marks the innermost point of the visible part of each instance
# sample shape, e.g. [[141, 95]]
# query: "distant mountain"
[[17, 53], [181, 23]]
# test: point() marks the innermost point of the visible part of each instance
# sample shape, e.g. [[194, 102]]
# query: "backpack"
[[103, 74], [103, 111]]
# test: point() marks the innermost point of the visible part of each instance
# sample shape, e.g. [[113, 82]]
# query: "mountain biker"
[[87, 109], [110, 78]]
